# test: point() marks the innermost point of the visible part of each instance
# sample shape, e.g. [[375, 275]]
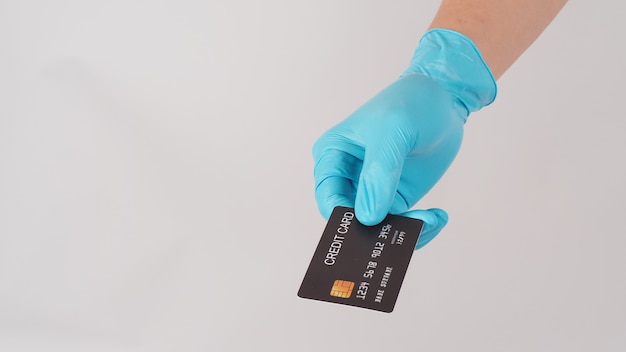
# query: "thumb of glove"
[[377, 190]]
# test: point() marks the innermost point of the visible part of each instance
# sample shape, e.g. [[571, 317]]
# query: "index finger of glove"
[[434, 219]]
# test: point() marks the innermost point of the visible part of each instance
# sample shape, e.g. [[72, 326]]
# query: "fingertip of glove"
[[441, 214], [434, 219], [373, 202], [368, 218]]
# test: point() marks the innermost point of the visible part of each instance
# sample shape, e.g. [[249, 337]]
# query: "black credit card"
[[358, 265]]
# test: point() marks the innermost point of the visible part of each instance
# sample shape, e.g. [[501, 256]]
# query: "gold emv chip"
[[342, 289]]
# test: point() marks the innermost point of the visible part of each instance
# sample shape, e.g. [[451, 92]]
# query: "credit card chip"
[[342, 289]]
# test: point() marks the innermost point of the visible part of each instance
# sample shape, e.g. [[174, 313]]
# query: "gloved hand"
[[390, 152]]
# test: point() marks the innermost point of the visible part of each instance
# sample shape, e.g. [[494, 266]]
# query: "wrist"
[[454, 62]]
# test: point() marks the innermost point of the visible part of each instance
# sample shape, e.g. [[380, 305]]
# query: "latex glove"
[[434, 220], [390, 152]]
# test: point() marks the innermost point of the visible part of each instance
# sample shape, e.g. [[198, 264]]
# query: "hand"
[[390, 152]]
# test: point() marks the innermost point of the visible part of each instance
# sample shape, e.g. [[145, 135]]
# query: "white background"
[[156, 188]]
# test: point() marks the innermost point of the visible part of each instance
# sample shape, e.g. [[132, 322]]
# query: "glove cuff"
[[453, 61]]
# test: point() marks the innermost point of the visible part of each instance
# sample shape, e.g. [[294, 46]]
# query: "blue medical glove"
[[434, 220], [390, 152]]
